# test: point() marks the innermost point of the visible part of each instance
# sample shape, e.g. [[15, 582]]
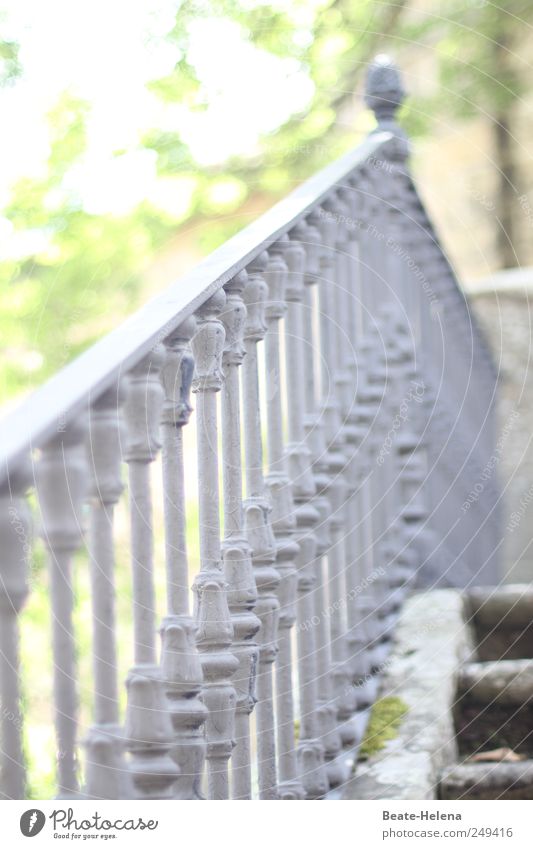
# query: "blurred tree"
[[79, 273], [9, 62], [480, 50], [73, 272]]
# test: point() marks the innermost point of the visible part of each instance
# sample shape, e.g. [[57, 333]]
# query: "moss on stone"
[[385, 719]]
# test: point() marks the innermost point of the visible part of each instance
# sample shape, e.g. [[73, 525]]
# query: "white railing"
[[350, 369]]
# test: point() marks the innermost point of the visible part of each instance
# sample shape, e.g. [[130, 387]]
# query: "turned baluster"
[[346, 297], [259, 531], [328, 729], [284, 526], [399, 315], [386, 370], [310, 748], [374, 401], [15, 536], [107, 774], [148, 723], [386, 376], [242, 591], [356, 317], [215, 629], [61, 486], [337, 457], [372, 376], [180, 660]]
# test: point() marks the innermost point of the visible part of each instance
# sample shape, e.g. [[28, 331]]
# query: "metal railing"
[[331, 346]]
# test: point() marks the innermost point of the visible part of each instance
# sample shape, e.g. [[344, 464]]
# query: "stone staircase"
[[454, 715], [494, 705]]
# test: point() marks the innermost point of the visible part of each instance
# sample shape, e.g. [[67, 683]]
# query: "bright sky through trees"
[[73, 45]]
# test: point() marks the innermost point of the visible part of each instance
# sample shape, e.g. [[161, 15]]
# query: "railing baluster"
[[215, 629], [284, 526], [148, 724], [259, 530], [61, 484], [337, 466], [242, 591], [106, 773], [360, 608], [344, 315], [15, 534], [180, 659], [314, 426], [371, 382], [402, 321], [310, 748]]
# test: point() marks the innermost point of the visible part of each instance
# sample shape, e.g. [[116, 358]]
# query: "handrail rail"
[[91, 373]]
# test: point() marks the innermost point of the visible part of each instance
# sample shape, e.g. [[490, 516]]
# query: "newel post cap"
[[384, 91], [384, 94]]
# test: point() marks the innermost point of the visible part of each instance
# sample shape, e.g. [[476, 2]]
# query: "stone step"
[[488, 781], [505, 682], [509, 606]]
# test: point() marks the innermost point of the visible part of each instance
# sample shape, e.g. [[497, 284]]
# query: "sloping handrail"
[[91, 373]]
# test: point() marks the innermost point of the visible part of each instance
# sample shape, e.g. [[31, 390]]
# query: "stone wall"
[[502, 305]]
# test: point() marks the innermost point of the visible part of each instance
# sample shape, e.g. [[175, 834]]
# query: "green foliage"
[[10, 68], [385, 719], [77, 274], [84, 273]]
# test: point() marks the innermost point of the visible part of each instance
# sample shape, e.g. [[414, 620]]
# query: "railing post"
[[61, 485], [284, 527], [259, 530], [15, 533], [310, 748], [328, 727], [360, 608], [107, 774], [215, 629], [180, 661], [384, 95], [336, 491], [148, 724], [242, 591], [407, 388]]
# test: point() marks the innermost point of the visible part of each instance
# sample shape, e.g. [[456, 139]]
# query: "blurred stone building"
[[502, 304]]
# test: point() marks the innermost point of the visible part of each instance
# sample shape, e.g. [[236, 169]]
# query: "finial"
[[384, 91]]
